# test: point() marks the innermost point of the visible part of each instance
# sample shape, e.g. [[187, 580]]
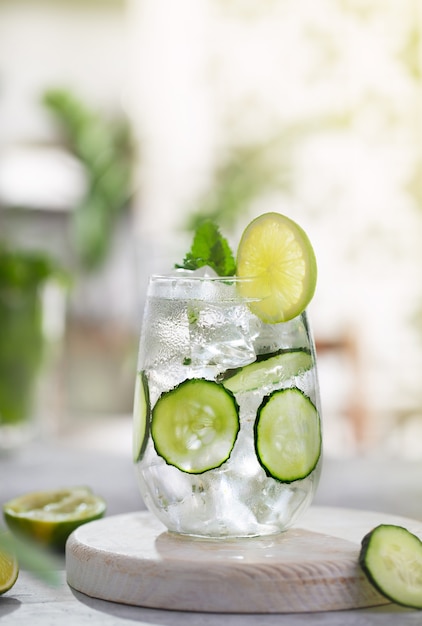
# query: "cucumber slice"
[[141, 416], [195, 425], [391, 558], [269, 369], [287, 435]]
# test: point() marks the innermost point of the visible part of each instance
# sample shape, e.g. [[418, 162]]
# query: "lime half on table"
[[48, 517], [9, 568]]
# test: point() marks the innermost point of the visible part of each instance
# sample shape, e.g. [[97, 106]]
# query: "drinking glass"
[[227, 436]]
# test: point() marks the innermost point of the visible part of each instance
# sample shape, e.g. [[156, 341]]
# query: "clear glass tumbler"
[[227, 433]]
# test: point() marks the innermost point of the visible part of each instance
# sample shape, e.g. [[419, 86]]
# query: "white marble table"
[[38, 605], [44, 466], [32, 602]]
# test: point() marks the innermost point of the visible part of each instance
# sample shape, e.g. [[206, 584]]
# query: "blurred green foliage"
[[242, 175], [104, 148], [248, 171], [26, 270]]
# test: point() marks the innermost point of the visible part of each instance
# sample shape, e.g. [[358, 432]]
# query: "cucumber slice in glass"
[[269, 369], [141, 416], [287, 435], [391, 557], [195, 425]]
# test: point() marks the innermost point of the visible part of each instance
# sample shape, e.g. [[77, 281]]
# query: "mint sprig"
[[209, 247]]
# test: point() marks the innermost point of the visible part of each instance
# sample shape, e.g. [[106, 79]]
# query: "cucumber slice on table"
[[287, 435], [195, 425], [391, 557], [269, 369], [141, 416]]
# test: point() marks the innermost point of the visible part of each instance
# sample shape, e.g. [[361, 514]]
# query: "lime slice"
[[269, 369], [277, 256], [195, 425], [9, 568], [141, 416], [49, 517], [287, 435]]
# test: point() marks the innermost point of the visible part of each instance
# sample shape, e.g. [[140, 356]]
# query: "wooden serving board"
[[132, 559]]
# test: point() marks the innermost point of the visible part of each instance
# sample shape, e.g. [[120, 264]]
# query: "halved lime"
[[276, 255], [195, 425], [269, 369], [9, 568], [141, 416], [49, 517], [287, 435]]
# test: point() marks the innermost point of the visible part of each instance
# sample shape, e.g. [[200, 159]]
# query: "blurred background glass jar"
[[28, 280]]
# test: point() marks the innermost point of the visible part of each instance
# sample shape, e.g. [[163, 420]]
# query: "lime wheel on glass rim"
[[276, 256]]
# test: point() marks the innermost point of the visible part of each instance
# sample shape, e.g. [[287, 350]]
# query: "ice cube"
[[212, 507], [165, 333], [239, 518], [272, 337], [205, 271], [220, 334]]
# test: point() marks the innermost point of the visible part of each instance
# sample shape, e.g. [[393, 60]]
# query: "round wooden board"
[[132, 559]]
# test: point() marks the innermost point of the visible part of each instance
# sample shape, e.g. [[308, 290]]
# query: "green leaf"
[[210, 248], [41, 563]]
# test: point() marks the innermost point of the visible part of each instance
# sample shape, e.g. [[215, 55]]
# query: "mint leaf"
[[209, 247]]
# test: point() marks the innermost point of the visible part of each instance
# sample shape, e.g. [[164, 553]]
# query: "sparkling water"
[[201, 328]]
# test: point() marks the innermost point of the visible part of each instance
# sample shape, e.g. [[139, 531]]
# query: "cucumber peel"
[[391, 558], [141, 416], [268, 369]]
